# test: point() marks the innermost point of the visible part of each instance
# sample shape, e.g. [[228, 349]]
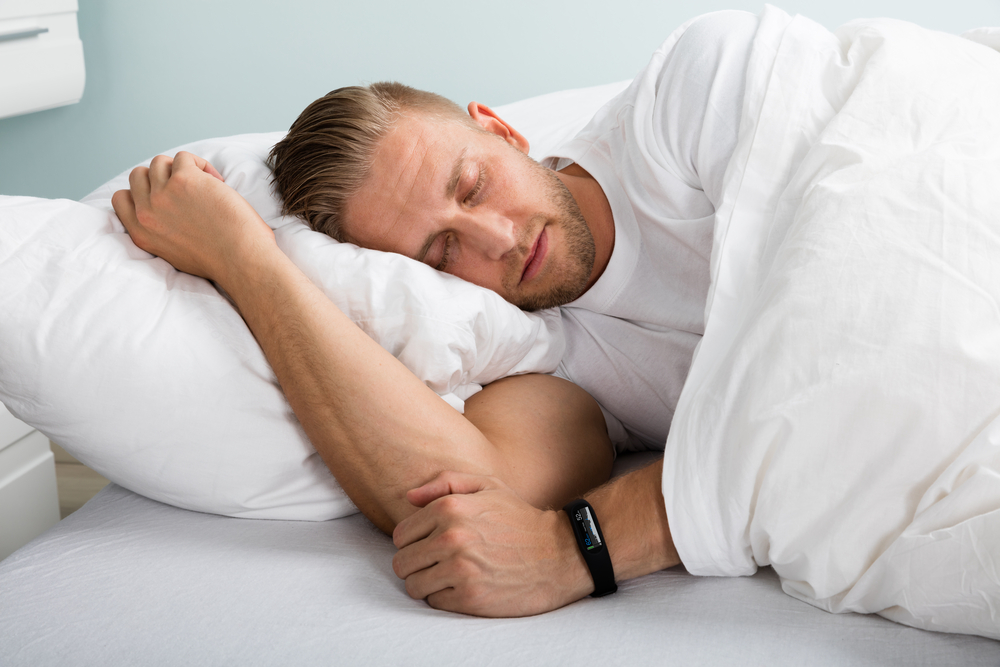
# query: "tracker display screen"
[[591, 540]]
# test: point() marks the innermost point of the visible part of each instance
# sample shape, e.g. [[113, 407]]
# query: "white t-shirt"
[[659, 150]]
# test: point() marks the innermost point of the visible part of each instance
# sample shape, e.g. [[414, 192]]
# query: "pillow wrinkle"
[[152, 378]]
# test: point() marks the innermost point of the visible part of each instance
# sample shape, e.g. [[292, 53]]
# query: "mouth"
[[536, 257]]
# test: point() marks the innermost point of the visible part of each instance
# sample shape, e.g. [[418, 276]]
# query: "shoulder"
[[712, 42], [694, 96], [722, 25]]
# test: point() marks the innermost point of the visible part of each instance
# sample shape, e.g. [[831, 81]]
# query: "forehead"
[[407, 180]]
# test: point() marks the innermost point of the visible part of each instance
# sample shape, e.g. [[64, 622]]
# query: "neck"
[[596, 212]]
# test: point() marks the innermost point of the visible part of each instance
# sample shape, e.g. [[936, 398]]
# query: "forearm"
[[540, 440], [635, 527], [379, 429], [634, 521], [479, 549]]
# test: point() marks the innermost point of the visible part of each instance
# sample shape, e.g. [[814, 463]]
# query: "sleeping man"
[[395, 169], [617, 228]]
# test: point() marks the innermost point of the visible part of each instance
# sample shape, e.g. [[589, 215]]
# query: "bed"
[[128, 580]]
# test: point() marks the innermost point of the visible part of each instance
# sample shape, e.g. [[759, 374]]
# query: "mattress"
[[128, 580]]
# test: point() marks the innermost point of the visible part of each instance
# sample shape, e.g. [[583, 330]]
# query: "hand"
[[477, 548], [180, 209]]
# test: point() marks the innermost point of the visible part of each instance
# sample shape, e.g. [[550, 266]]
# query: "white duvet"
[[840, 421]]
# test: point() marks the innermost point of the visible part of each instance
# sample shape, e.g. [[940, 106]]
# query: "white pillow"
[[150, 376], [441, 327]]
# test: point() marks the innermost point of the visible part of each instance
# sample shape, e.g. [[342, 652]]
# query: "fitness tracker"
[[591, 541]]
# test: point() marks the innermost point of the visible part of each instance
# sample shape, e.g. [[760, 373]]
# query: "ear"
[[489, 121]]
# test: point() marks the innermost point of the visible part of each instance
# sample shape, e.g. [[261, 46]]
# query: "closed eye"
[[470, 199], [444, 255]]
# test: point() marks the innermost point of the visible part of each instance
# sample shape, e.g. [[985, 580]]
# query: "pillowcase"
[[151, 377], [441, 327]]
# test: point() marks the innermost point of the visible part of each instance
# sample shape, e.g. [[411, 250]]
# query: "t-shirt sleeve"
[[699, 98]]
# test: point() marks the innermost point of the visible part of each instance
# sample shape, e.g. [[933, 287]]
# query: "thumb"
[[448, 483], [212, 171], [184, 158]]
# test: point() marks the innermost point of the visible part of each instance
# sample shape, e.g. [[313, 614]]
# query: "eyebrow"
[[449, 193]]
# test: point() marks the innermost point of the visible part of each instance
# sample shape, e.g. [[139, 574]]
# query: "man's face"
[[468, 203]]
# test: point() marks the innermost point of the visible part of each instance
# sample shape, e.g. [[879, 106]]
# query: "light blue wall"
[[161, 73]]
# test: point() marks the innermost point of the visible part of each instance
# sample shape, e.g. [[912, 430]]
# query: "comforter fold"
[[841, 420]]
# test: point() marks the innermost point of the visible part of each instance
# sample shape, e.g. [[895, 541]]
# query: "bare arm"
[[477, 548], [634, 520], [379, 429]]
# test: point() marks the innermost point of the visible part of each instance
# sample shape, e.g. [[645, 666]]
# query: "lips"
[[536, 258]]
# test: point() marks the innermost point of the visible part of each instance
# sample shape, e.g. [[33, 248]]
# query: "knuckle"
[[180, 179], [474, 594], [145, 216], [412, 591], [450, 505], [470, 597], [465, 571], [452, 539]]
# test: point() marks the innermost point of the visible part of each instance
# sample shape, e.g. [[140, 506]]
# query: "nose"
[[490, 233]]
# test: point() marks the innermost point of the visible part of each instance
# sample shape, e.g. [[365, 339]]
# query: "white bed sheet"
[[128, 580]]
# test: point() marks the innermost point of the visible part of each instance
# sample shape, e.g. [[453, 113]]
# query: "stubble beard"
[[574, 273]]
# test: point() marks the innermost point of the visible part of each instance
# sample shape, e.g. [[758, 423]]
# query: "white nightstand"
[[29, 500]]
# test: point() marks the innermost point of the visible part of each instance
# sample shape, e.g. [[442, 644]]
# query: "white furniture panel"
[[29, 499], [11, 428], [41, 56]]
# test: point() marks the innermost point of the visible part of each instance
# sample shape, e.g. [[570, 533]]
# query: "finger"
[[425, 583], [447, 483], [187, 160], [435, 522], [449, 599], [138, 181], [415, 527], [211, 171], [159, 171], [422, 554], [124, 207]]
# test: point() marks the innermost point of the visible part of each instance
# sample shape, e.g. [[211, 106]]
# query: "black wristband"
[[591, 541]]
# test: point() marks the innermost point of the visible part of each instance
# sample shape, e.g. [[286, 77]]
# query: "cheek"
[[517, 187], [483, 273]]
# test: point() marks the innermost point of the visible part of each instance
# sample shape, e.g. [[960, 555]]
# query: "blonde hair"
[[326, 155]]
